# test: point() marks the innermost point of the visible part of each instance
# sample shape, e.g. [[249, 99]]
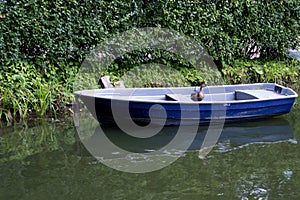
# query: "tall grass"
[[26, 91]]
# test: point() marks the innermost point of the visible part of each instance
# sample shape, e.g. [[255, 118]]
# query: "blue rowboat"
[[173, 106]]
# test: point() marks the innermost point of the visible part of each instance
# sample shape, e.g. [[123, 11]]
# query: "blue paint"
[[230, 103]]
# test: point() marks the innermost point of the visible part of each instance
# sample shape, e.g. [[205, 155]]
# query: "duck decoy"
[[198, 95]]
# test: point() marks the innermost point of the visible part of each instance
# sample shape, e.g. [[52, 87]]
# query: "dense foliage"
[[60, 32], [43, 43], [282, 72]]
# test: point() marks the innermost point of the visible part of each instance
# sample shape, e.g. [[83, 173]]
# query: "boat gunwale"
[[94, 93], [197, 102]]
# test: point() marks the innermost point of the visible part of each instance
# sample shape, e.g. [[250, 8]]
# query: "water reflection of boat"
[[232, 136], [262, 131]]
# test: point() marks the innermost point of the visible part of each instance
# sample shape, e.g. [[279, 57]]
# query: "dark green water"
[[258, 160]]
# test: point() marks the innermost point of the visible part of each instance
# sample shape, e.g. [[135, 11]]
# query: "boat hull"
[[109, 110], [139, 112]]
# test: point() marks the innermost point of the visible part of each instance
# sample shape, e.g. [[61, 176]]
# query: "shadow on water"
[[19, 142], [233, 136], [45, 162], [28, 138]]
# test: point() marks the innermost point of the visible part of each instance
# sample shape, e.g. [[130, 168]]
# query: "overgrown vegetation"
[[60, 32], [282, 72], [25, 90], [43, 43]]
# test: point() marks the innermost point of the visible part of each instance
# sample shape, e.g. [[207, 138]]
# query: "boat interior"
[[212, 93], [228, 93], [229, 96]]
